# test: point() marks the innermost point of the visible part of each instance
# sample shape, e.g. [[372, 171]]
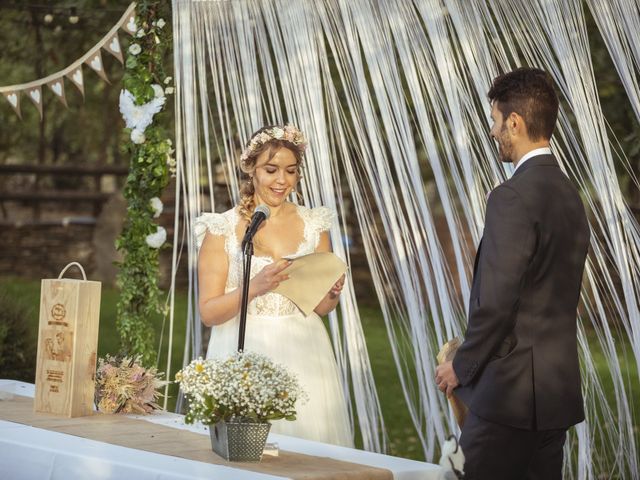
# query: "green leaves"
[[149, 174], [131, 63]]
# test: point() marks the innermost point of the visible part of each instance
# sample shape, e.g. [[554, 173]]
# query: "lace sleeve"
[[319, 220], [322, 218], [215, 223]]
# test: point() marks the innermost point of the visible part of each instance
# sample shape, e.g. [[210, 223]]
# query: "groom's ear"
[[515, 125]]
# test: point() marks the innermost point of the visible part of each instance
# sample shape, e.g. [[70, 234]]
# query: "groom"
[[517, 369]]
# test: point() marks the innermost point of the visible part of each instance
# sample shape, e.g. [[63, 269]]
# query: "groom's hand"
[[446, 378]]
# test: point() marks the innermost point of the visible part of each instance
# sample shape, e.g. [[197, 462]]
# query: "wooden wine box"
[[67, 345]]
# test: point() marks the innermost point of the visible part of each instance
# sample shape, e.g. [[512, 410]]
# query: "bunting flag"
[[57, 87], [14, 99], [95, 62], [93, 58], [113, 47], [77, 79], [35, 94], [131, 28]]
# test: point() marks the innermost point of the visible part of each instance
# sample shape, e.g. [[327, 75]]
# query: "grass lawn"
[[402, 435]]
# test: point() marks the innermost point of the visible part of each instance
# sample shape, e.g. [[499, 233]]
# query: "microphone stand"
[[247, 253]]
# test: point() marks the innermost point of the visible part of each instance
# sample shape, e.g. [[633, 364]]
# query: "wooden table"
[[37, 452]]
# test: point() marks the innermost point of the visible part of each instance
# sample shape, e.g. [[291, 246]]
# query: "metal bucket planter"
[[239, 441]]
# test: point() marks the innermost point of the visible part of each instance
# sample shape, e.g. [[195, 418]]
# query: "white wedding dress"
[[276, 328]]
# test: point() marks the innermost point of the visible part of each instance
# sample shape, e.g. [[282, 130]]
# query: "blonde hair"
[[248, 166]]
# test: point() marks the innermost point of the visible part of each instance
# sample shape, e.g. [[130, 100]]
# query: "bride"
[[275, 327]]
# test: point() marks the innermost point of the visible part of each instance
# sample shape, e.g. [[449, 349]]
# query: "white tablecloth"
[[33, 453]]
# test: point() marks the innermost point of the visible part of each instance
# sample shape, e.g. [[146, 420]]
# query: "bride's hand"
[[268, 278], [337, 287]]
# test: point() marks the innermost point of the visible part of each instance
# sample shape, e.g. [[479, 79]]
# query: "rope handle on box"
[[84, 276]]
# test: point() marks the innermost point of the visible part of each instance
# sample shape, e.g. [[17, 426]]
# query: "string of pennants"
[[93, 58]]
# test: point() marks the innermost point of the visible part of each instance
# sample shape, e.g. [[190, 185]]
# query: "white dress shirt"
[[532, 153]]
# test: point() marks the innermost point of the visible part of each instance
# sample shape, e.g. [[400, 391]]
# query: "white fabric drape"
[[392, 94]]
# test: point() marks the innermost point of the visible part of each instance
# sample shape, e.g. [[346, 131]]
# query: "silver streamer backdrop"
[[392, 95]]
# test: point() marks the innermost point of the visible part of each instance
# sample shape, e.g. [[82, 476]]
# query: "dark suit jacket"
[[518, 364]]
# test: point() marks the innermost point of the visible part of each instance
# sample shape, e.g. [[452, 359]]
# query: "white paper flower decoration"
[[161, 23], [135, 49], [168, 90], [139, 117], [137, 136], [156, 240], [167, 80], [158, 91], [156, 205]]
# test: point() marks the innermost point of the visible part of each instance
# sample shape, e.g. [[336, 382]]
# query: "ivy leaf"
[[132, 62]]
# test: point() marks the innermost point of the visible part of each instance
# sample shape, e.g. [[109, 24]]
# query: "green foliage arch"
[[151, 167]]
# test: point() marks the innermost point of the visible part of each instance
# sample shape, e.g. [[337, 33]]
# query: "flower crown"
[[288, 133]]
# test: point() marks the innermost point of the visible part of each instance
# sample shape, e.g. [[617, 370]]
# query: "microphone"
[[260, 214]]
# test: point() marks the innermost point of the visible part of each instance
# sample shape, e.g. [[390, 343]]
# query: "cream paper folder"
[[310, 279]]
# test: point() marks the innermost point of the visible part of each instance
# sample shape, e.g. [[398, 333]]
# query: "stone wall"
[[33, 251], [36, 249]]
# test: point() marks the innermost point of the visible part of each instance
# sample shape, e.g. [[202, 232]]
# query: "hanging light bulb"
[[48, 18], [73, 16]]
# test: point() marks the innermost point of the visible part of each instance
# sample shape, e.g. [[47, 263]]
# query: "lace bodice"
[[316, 221]]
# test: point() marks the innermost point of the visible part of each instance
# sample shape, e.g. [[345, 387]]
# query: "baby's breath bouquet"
[[246, 386], [124, 386]]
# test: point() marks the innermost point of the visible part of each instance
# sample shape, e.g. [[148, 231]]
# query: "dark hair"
[[529, 92], [247, 189]]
